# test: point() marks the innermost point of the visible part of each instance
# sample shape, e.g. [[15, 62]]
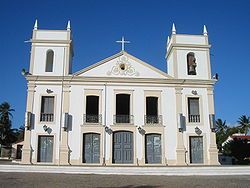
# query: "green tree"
[[244, 124], [221, 132], [238, 148], [20, 134], [7, 134]]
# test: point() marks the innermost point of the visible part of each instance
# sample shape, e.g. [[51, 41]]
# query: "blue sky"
[[96, 25]]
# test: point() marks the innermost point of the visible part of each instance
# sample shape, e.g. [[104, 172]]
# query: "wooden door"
[[123, 147], [153, 148], [196, 149]]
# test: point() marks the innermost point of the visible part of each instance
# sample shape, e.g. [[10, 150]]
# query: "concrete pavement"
[[37, 180]]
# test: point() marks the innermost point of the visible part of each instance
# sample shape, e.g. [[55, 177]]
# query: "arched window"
[[191, 64], [49, 61]]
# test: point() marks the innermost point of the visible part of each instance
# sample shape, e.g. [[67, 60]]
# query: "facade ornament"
[[123, 67], [49, 91], [194, 92], [198, 131]]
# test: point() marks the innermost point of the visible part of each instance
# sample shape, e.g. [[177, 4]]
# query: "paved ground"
[[45, 180]]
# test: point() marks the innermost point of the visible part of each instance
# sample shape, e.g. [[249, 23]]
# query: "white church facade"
[[121, 110]]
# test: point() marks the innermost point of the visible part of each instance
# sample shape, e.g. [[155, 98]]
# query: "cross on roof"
[[123, 42]]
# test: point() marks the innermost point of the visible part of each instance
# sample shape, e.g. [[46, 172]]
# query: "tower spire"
[[168, 40], [35, 25], [204, 30], [68, 25], [173, 29]]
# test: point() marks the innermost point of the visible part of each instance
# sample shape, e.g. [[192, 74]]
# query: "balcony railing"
[[92, 118], [47, 117], [123, 119], [194, 118], [151, 120]]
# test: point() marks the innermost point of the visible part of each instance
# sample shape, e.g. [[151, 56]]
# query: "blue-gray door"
[[123, 147], [91, 148], [153, 148], [45, 149], [196, 149]]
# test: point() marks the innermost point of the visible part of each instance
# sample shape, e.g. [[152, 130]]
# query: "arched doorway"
[[123, 147], [153, 148], [91, 148]]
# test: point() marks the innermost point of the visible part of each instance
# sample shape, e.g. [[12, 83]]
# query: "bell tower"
[[51, 52], [188, 55]]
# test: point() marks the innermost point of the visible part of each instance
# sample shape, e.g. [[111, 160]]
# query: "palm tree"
[[221, 126], [7, 135], [221, 132], [244, 123]]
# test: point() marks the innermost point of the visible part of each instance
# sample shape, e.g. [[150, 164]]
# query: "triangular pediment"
[[120, 65]]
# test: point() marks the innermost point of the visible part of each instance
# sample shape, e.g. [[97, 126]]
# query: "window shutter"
[[48, 105], [194, 106]]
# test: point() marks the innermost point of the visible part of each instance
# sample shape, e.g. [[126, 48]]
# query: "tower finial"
[[204, 30], [35, 25], [168, 40], [68, 25], [173, 29]]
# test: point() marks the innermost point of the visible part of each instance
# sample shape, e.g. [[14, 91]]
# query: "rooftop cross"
[[122, 42]]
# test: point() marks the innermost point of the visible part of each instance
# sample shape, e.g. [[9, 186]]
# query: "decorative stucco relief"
[[123, 67]]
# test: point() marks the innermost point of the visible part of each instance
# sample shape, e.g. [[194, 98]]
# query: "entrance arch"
[[123, 147]]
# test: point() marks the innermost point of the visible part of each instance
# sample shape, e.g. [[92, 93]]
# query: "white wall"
[[201, 61], [182, 45], [40, 61], [38, 126], [77, 106]]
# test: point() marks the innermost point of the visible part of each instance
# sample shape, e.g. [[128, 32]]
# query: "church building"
[[120, 110]]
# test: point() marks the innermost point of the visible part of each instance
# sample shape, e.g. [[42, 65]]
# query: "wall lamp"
[[25, 73], [47, 129], [141, 131], [197, 130], [108, 130]]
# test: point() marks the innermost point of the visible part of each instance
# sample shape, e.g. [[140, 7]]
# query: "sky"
[[97, 24]]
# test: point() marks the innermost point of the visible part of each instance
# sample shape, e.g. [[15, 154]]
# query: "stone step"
[[168, 171]]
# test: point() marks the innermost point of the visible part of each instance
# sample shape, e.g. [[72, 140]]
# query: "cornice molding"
[[51, 41], [174, 45], [77, 79]]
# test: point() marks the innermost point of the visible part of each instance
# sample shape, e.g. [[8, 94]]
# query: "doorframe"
[[154, 130], [90, 129], [205, 156]]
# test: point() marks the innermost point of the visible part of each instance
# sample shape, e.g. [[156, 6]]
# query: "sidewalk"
[[167, 171]]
